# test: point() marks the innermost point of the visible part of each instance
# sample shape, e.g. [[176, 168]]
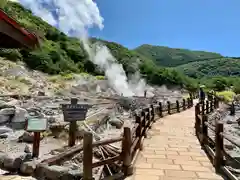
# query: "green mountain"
[[172, 57], [209, 68]]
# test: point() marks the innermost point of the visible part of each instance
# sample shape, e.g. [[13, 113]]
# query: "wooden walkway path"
[[172, 152]]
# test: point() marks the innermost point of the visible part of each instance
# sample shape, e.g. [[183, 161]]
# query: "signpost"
[[72, 113], [36, 125]]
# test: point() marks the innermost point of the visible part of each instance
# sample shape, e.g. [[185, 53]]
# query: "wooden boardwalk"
[[172, 152]]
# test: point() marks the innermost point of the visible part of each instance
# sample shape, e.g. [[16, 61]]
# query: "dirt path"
[[172, 152]]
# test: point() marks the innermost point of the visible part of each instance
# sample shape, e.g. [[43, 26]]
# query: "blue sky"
[[211, 25]]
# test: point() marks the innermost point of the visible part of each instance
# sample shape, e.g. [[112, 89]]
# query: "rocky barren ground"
[[25, 93], [232, 128]]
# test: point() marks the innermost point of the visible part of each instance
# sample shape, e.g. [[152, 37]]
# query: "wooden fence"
[[131, 140], [214, 147]]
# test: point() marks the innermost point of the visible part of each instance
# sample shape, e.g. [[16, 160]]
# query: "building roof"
[[18, 37]]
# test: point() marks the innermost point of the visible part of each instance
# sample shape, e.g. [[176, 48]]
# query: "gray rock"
[[54, 172], [28, 168], [20, 115], [5, 114], [8, 164], [26, 137], [2, 157], [72, 175], [118, 123], [3, 136], [7, 111], [5, 129], [27, 149]]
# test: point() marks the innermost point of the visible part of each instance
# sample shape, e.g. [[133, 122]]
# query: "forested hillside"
[[172, 57], [209, 68]]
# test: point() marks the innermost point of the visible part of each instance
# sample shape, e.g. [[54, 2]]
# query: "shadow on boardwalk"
[[172, 152]]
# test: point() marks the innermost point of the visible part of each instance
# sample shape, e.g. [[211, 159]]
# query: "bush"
[[236, 88]]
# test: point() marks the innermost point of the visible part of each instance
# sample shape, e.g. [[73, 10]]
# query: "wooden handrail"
[[132, 140], [215, 147]]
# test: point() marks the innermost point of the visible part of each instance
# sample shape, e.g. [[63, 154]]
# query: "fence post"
[[126, 152], [152, 113], [197, 122], [148, 118], [211, 105], [168, 107], [188, 102], [139, 130], [160, 109], [144, 123], [232, 109], [218, 161], [216, 103], [204, 130], [177, 106], [184, 104], [203, 107], [87, 156], [207, 107]]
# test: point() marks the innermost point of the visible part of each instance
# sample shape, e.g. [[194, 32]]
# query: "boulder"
[[26, 137], [6, 114], [118, 123], [28, 168], [51, 172], [20, 115], [2, 157]]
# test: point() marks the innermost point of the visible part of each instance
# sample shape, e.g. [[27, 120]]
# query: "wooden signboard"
[[37, 125], [74, 112]]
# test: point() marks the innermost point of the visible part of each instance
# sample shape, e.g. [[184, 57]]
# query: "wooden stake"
[[36, 144], [126, 152], [87, 156]]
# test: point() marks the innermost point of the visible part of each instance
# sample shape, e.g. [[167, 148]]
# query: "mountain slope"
[[210, 68], [172, 57]]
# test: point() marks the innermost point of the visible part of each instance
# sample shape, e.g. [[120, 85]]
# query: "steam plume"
[[74, 18]]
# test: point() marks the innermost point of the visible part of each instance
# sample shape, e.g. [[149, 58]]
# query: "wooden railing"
[[132, 138], [214, 145]]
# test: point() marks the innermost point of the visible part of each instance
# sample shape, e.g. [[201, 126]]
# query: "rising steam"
[[74, 18]]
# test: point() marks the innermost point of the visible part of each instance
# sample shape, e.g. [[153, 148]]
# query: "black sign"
[[74, 112]]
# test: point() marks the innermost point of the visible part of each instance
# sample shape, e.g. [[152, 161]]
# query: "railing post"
[[144, 123], [232, 109], [204, 130], [211, 105], [207, 107], [191, 99], [216, 103], [148, 118], [126, 152], [184, 104], [152, 113], [87, 156], [203, 107], [188, 102], [168, 107], [177, 106], [197, 122], [219, 161], [160, 109], [139, 130]]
